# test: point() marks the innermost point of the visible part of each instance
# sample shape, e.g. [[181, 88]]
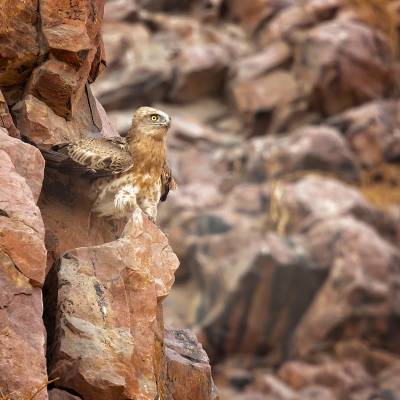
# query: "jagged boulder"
[[6, 120], [346, 58], [22, 269], [20, 50], [372, 131], [102, 310], [362, 287], [187, 368]]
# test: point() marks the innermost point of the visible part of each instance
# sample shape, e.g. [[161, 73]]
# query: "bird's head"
[[150, 122]]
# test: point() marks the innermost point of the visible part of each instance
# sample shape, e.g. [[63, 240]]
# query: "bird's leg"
[[125, 199]]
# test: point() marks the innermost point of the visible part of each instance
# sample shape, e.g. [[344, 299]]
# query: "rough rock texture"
[[309, 149], [280, 280], [68, 44], [22, 268], [182, 62], [19, 41], [105, 281], [369, 267], [351, 68], [57, 394], [183, 353], [372, 131], [102, 315], [6, 120]]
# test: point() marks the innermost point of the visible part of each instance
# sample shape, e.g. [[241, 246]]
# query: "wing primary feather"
[[90, 156]]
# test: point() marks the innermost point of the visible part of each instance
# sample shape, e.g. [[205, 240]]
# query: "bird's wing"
[[90, 156], [167, 182]]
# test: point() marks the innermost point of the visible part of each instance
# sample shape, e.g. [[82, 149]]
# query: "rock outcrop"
[[103, 314], [102, 283], [182, 354], [22, 268]]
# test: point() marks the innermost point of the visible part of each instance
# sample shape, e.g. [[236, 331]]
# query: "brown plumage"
[[129, 172]]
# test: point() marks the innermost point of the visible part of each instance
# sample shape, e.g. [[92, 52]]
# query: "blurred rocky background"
[[286, 147]]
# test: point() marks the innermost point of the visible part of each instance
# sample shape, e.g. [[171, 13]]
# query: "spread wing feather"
[[90, 156], [98, 158]]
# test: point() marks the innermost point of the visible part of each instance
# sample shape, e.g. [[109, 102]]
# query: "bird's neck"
[[148, 154]]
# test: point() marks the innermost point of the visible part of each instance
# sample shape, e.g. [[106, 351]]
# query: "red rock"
[[105, 320], [187, 60], [229, 394], [99, 63], [45, 128], [286, 22], [209, 11], [289, 21], [58, 85], [342, 378], [317, 198], [22, 336], [261, 101], [139, 70], [78, 24], [343, 63], [120, 10], [61, 84], [358, 289], [27, 161], [263, 94], [255, 65], [371, 131], [166, 5], [188, 373], [19, 49], [374, 360], [244, 295], [200, 71], [388, 381], [203, 58], [274, 387], [307, 149], [190, 131], [22, 266], [316, 392], [6, 120], [57, 394], [22, 230], [251, 14]]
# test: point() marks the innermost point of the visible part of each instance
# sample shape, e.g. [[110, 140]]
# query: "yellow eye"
[[155, 117]]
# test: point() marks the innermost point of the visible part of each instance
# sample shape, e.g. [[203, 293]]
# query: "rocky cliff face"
[[80, 302], [285, 145]]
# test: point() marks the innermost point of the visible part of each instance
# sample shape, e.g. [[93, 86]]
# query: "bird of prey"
[[129, 172]]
